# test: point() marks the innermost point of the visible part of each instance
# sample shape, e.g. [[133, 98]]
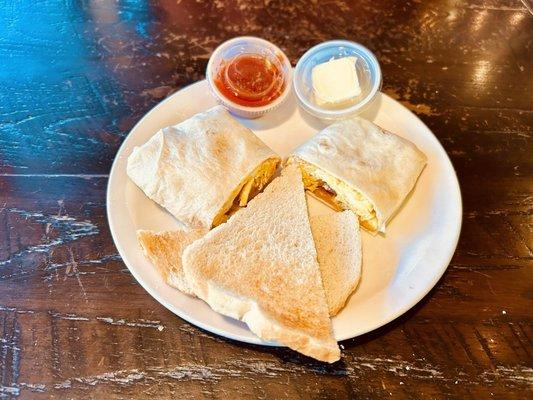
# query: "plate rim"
[[254, 339]]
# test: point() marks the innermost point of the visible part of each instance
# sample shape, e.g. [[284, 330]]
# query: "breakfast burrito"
[[355, 165], [203, 169]]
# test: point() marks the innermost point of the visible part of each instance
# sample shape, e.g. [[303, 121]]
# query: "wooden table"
[[76, 76]]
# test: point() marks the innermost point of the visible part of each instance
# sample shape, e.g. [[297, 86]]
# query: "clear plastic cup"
[[368, 73], [249, 45]]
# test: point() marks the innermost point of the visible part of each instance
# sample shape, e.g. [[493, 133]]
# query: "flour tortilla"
[[196, 168], [382, 166]]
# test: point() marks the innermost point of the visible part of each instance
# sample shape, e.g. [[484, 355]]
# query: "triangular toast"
[[338, 246], [164, 250], [261, 267]]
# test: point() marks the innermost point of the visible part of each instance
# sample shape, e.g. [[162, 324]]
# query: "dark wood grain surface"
[[74, 78]]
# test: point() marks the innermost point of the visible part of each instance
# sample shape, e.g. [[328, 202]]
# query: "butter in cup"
[[368, 77]]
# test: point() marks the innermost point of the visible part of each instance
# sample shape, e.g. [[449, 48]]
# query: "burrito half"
[[355, 165], [203, 169]]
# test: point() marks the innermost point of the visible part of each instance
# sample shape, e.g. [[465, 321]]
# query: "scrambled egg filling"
[[251, 186], [338, 194]]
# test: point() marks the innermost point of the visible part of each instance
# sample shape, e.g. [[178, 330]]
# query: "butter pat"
[[335, 81]]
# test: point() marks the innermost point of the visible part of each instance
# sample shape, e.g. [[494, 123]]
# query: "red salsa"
[[250, 80]]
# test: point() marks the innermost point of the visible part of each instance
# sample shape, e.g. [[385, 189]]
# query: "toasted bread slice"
[[338, 246], [164, 250], [261, 267]]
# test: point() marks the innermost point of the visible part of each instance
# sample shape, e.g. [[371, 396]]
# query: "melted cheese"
[[245, 192], [340, 194], [251, 185]]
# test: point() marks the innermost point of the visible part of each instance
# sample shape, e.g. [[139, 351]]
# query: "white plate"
[[399, 269]]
